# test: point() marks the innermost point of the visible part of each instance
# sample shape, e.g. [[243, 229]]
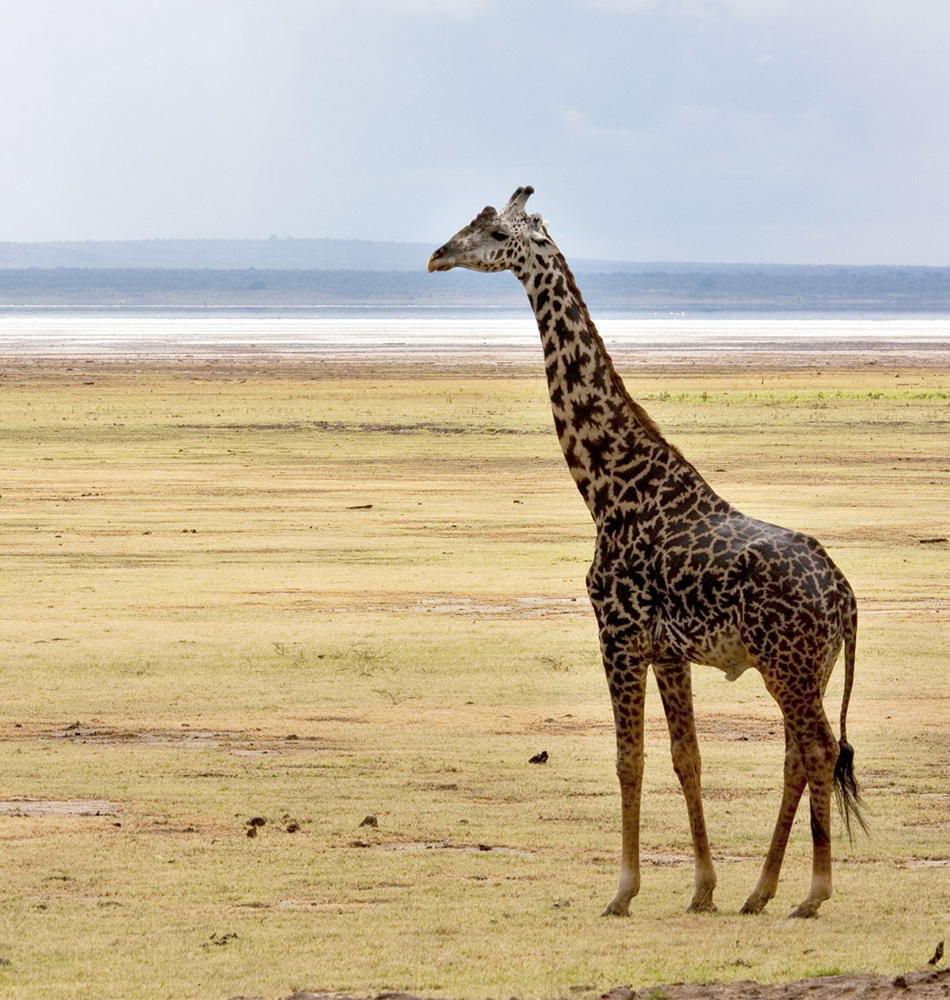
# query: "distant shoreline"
[[477, 311], [502, 310], [451, 343]]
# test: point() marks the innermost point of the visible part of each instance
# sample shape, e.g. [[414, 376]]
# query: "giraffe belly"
[[725, 650], [721, 647]]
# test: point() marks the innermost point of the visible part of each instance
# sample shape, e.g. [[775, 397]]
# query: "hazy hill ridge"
[[325, 272], [275, 253]]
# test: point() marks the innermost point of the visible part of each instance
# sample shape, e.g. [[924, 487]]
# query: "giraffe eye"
[[499, 235]]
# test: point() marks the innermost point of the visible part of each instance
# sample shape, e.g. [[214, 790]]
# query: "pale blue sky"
[[813, 131]]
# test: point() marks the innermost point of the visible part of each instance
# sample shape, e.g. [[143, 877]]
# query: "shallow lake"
[[152, 334]]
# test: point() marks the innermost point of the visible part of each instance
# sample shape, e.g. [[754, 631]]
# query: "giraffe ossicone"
[[679, 576]]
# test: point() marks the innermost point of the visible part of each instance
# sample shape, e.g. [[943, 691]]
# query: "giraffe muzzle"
[[440, 261]]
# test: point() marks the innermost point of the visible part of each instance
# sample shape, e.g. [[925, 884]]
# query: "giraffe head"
[[497, 241]]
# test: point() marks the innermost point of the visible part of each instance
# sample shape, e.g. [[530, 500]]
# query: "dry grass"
[[193, 576]]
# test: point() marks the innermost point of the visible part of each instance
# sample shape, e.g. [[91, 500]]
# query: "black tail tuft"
[[847, 792]]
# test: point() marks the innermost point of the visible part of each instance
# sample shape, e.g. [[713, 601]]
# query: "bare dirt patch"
[[932, 983], [65, 807], [920, 985], [237, 743], [739, 727], [417, 846], [516, 607], [717, 726]]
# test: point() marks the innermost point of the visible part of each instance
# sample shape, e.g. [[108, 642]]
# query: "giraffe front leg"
[[675, 684], [626, 678], [630, 773]]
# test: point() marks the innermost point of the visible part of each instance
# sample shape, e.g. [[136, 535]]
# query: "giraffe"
[[680, 576]]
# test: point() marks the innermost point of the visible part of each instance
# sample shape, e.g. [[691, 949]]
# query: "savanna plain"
[[248, 603]]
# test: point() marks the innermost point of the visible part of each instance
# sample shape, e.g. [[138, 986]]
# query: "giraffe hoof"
[[753, 906], [615, 910], [805, 911], [703, 899]]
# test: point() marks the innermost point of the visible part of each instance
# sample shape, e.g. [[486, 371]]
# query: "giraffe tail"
[[847, 790]]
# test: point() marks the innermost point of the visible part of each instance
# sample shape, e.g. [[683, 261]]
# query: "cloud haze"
[[752, 130]]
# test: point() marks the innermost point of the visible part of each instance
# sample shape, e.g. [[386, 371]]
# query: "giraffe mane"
[[644, 418]]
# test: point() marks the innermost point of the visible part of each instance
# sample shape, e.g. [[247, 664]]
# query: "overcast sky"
[[813, 131]]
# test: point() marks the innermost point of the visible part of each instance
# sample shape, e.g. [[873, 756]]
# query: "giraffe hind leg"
[[795, 781], [810, 730], [819, 755]]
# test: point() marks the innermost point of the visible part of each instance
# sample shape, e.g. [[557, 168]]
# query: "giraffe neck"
[[615, 452]]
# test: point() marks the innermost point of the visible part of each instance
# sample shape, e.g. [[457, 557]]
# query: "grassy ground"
[[205, 622]]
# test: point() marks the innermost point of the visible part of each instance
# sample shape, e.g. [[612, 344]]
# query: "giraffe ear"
[[541, 243]]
